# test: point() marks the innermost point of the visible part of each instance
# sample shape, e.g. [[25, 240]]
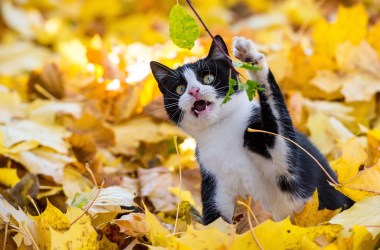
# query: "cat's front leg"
[[272, 116], [275, 117], [246, 51]]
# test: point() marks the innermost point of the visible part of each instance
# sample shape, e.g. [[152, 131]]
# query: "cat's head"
[[194, 92]]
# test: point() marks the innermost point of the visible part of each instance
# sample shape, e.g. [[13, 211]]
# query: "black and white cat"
[[232, 160]]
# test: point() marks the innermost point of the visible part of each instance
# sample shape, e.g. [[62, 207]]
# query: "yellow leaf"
[[185, 195], [364, 213], [244, 241], [92, 9], [210, 238], [8, 177], [10, 105], [73, 54], [301, 11], [21, 56], [362, 238], [354, 194], [52, 217], [289, 236], [43, 161], [341, 30], [158, 234], [128, 136], [326, 132], [352, 58], [27, 130], [374, 37], [373, 140], [367, 182], [360, 87], [81, 235], [327, 81], [311, 216], [353, 157]]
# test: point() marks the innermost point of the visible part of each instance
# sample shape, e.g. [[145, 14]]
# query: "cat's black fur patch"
[[286, 184], [311, 177], [208, 191], [259, 142]]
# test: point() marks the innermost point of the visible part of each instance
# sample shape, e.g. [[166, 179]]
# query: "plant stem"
[[300, 147], [212, 37]]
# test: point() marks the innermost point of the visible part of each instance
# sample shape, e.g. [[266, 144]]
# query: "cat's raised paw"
[[245, 50]]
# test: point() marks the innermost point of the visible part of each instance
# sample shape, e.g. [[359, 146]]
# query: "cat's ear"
[[160, 71], [218, 52], [162, 74]]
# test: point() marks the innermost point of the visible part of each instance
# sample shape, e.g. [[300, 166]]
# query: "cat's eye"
[[180, 89], [208, 79]]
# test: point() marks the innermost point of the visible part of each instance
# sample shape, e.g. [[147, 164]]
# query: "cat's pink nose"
[[194, 91]]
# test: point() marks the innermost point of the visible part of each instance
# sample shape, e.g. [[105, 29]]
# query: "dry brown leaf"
[[133, 224], [360, 87], [21, 56], [103, 134], [129, 135], [47, 83], [155, 183]]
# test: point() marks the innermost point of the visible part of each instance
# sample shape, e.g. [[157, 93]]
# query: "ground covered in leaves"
[[88, 159]]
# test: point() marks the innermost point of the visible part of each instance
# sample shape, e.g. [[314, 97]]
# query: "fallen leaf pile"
[[87, 155]]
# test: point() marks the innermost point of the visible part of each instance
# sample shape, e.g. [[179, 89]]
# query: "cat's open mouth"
[[200, 106]]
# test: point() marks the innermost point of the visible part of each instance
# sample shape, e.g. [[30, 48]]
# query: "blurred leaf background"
[[78, 103]]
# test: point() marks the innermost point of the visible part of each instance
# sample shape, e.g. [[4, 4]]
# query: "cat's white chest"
[[239, 171]]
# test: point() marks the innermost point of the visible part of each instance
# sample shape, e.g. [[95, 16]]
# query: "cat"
[[232, 160]]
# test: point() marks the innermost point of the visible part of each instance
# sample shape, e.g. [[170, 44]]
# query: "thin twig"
[[304, 150], [212, 37], [6, 232], [34, 203], [180, 184], [30, 235], [92, 202], [249, 208], [45, 93], [250, 222], [87, 167]]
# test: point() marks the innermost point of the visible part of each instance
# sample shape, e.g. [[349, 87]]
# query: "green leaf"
[[231, 84], [250, 88], [245, 65], [183, 28]]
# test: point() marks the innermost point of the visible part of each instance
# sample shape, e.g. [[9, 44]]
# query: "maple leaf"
[[311, 216], [80, 235], [363, 213], [158, 235], [341, 30], [52, 217], [133, 224], [8, 177]]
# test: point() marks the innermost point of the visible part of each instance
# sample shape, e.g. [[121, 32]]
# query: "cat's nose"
[[194, 91]]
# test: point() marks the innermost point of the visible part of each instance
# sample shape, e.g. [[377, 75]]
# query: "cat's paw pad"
[[245, 50]]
